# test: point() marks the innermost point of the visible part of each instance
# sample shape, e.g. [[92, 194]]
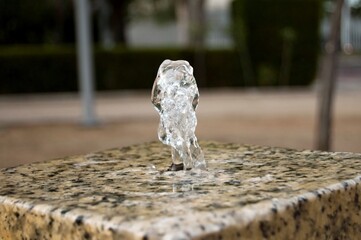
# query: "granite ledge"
[[249, 192]]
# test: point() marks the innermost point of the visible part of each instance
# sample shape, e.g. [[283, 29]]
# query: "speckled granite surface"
[[248, 192]]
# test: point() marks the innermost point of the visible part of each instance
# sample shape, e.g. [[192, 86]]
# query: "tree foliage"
[[52, 21], [25, 21]]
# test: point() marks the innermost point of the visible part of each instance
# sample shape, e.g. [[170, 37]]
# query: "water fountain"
[[243, 192], [175, 96]]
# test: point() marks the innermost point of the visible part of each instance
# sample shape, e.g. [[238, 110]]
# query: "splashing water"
[[175, 96]]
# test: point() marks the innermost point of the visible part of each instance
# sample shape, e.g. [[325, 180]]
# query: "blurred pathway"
[[126, 105]]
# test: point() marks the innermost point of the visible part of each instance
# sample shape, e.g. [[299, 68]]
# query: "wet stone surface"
[[248, 191]]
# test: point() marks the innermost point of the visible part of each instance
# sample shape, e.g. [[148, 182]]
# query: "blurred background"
[[259, 65]]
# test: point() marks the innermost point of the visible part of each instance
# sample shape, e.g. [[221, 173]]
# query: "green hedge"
[[34, 69], [43, 69], [280, 39]]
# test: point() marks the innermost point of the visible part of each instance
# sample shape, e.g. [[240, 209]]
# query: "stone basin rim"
[[222, 219]]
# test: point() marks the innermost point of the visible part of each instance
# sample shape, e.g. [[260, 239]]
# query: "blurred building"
[[148, 32]]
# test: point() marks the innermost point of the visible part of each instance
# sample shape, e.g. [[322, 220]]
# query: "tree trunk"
[[327, 85], [118, 20], [183, 18], [191, 33], [198, 23], [198, 29], [105, 32], [191, 22]]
